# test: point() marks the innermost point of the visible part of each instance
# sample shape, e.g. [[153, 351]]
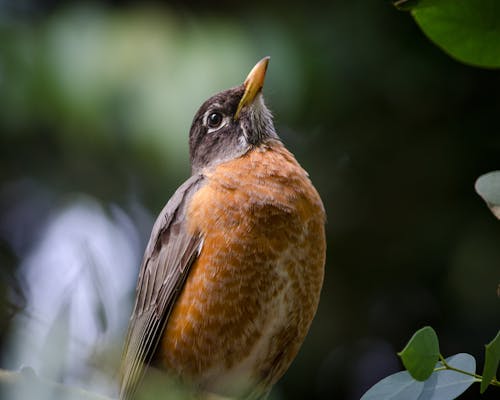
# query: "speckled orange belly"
[[252, 293]]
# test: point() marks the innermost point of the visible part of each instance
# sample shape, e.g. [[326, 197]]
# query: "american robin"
[[232, 273]]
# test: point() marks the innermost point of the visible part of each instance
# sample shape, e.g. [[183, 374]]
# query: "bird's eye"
[[214, 119]]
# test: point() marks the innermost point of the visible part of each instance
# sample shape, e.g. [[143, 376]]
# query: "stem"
[[446, 366], [451, 368], [494, 382]]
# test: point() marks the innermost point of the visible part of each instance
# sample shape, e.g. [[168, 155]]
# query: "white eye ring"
[[214, 120]]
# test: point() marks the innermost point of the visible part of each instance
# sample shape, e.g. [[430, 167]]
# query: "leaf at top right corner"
[[468, 30], [488, 187], [491, 362]]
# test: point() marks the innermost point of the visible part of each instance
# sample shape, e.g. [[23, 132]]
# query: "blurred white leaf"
[[398, 386], [85, 265], [441, 385], [488, 187], [448, 385]]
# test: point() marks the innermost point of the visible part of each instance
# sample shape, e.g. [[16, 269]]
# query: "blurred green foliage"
[[98, 98]]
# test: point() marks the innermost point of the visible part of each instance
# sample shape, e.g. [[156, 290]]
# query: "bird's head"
[[231, 122]]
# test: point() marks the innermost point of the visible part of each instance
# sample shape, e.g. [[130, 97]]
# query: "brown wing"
[[169, 255]]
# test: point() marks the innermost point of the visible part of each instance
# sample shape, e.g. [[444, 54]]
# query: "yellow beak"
[[253, 84]]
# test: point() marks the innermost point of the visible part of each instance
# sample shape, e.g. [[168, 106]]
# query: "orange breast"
[[252, 293]]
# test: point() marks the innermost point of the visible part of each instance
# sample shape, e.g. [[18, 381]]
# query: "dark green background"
[[392, 131]]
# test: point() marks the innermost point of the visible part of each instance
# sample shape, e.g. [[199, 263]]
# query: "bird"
[[232, 273]]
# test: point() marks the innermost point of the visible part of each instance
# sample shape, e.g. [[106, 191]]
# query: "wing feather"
[[168, 257]]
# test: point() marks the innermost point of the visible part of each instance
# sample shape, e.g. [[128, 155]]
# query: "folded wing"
[[169, 255]]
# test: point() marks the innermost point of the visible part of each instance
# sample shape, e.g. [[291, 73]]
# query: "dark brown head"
[[231, 122]]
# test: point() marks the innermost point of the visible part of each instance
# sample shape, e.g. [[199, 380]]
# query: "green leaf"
[[398, 386], [468, 30], [491, 361], [421, 353], [448, 385], [488, 187]]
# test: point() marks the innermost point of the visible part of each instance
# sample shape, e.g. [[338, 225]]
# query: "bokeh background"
[[96, 100]]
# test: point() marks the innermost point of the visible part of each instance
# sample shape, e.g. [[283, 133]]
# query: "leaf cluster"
[[429, 375]]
